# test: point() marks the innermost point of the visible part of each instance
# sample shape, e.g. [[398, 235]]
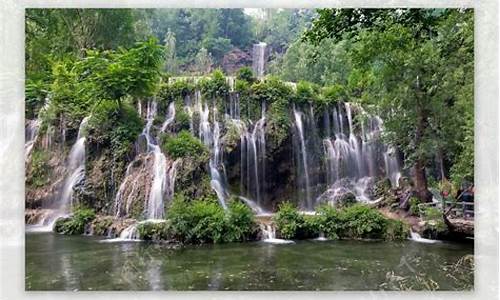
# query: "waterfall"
[[303, 155], [268, 231], [163, 171], [252, 158], [210, 135], [170, 116], [417, 238], [258, 59], [76, 173], [76, 168], [356, 156], [31, 133]]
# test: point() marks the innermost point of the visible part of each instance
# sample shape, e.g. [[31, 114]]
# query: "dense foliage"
[[184, 145], [75, 224], [413, 67], [205, 221], [354, 222]]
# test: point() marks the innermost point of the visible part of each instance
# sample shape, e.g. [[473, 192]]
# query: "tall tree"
[[401, 67]]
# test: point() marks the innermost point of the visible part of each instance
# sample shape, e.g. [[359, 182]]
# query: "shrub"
[[434, 219], [414, 209], [182, 121], [216, 86], [246, 74], [329, 221], [101, 225], [305, 93], [396, 230], [310, 228], [184, 145], [39, 172], [239, 222], [155, 231], [114, 124], [288, 220], [333, 94], [361, 221], [200, 221], [76, 223]]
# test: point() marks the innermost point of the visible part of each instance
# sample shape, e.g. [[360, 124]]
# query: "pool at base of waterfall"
[[59, 262]]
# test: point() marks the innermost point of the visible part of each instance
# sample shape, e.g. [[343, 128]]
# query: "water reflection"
[[55, 262]]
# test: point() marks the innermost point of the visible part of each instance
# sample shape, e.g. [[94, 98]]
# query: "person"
[[467, 197]]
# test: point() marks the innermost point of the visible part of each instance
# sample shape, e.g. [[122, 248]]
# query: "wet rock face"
[[108, 226], [135, 188], [45, 195], [346, 192]]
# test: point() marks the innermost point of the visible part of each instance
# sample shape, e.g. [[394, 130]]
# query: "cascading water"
[[31, 133], [303, 157], [258, 59], [163, 171], [355, 160], [210, 135], [252, 158], [76, 173], [170, 116]]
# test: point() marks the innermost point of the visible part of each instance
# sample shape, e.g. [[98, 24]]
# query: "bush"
[[155, 231], [414, 210], [329, 221], [101, 225], [239, 222], [434, 219], [246, 74], [200, 221], [361, 221], [39, 172], [76, 223], [305, 93], [184, 145], [216, 86], [396, 230], [288, 220], [205, 221], [114, 124], [182, 121]]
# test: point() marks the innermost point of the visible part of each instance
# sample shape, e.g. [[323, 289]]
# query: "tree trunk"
[[421, 181], [419, 168]]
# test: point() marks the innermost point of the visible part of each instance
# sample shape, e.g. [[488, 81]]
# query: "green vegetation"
[[204, 221], [155, 231], [288, 220], [75, 224], [416, 63], [354, 222], [39, 172], [184, 145]]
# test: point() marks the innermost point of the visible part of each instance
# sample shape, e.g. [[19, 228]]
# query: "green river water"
[[58, 262]]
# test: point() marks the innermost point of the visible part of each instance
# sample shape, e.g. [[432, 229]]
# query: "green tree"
[[402, 67]]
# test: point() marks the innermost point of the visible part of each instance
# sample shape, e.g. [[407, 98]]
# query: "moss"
[[155, 231], [101, 225], [39, 171], [76, 223]]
